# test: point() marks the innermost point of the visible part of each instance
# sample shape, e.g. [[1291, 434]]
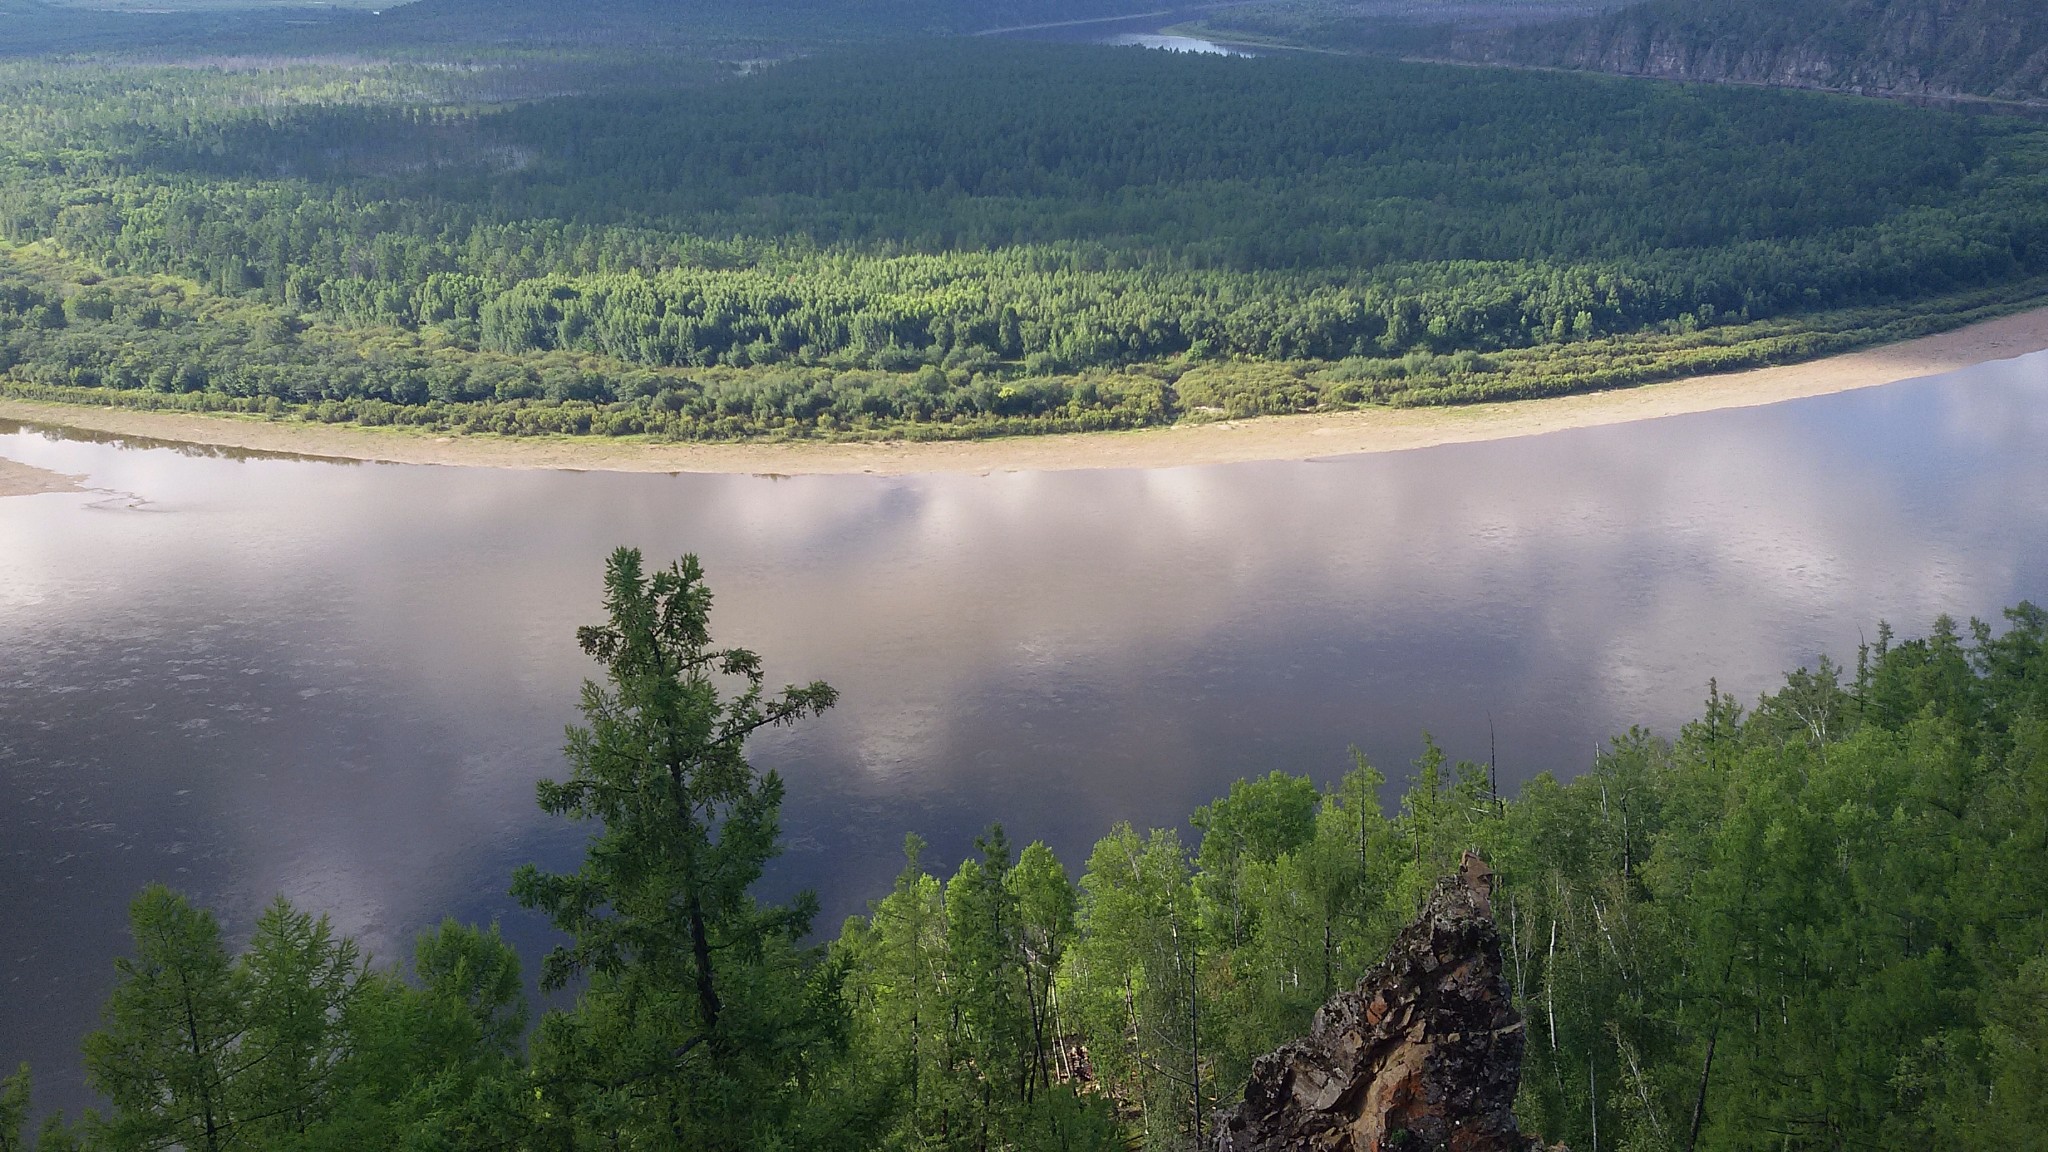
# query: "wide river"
[[340, 681]]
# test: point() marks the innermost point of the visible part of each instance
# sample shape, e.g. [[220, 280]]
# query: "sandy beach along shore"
[[1311, 436]]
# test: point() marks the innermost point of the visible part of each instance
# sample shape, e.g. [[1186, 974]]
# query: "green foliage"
[[1134, 982], [984, 239], [959, 1036], [437, 1065], [1320, 912], [14, 1097], [301, 980], [700, 1010], [296, 1045], [1815, 925], [1257, 823], [2016, 1047], [166, 1059], [174, 347]]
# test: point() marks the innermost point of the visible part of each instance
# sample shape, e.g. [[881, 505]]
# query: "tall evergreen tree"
[[167, 1057], [301, 982], [701, 1011]]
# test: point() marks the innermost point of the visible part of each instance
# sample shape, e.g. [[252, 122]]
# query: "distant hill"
[[1996, 49]]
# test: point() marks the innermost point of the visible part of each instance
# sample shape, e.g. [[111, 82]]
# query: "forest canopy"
[[441, 28], [954, 238]]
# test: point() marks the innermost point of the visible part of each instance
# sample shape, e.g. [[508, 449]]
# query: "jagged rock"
[[1426, 1053]]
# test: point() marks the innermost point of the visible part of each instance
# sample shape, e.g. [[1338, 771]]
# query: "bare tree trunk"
[[1699, 1100], [1550, 986], [700, 950], [1515, 949], [1329, 947], [700, 935], [1037, 1067], [1195, 1037]]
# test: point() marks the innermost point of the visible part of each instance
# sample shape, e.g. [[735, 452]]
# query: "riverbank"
[[1311, 436]]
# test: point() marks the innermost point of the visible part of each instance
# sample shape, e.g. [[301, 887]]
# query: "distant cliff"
[[1996, 49]]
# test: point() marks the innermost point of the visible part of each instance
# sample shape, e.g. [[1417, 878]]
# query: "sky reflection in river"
[[339, 681]]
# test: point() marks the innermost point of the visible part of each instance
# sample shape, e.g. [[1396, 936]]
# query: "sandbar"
[[1309, 436], [18, 479]]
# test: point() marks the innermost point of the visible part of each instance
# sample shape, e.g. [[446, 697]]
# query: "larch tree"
[[694, 1026], [301, 980], [167, 1056]]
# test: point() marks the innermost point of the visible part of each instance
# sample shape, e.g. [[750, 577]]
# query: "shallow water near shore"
[[245, 675]]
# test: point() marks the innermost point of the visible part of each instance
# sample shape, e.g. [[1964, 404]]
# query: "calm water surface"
[[1175, 44], [339, 682]]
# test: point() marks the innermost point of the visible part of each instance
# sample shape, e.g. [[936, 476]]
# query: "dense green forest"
[[1814, 923], [963, 238], [438, 27]]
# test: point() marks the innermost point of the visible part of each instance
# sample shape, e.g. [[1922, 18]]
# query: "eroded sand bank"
[[18, 479]]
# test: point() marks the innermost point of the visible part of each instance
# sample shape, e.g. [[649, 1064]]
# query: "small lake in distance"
[[250, 676]]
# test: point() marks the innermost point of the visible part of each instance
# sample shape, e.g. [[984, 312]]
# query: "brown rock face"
[[1425, 1054]]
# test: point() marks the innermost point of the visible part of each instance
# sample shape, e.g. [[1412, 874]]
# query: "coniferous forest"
[[1816, 921], [961, 238]]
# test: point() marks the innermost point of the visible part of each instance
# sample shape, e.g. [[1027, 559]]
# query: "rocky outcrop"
[[1988, 49], [1426, 1053]]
